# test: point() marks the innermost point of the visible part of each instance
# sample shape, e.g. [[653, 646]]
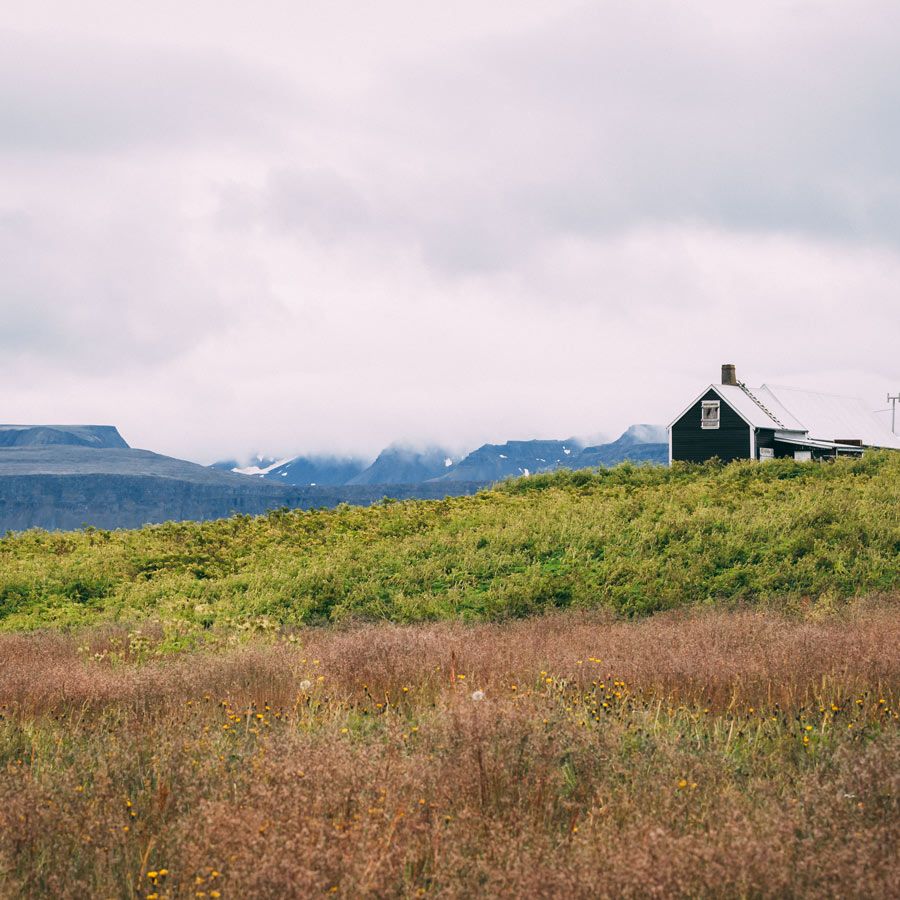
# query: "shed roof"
[[791, 437], [829, 417]]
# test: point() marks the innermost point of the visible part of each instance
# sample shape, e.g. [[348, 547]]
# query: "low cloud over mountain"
[[399, 464]]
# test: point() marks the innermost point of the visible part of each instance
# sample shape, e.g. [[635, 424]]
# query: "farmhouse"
[[730, 421]]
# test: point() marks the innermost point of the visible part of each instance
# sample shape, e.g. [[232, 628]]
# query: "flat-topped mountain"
[[69, 485], [82, 460], [96, 436]]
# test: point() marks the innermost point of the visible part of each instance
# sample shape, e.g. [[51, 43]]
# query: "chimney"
[[728, 374]]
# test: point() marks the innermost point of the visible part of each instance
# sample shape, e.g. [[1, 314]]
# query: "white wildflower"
[[305, 685], [477, 695]]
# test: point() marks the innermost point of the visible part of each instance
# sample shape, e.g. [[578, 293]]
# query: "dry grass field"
[[712, 753]]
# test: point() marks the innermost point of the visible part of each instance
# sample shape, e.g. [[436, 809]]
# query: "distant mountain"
[[317, 470], [646, 434], [640, 443], [400, 464], [68, 486], [259, 465], [615, 453], [66, 476], [405, 465], [224, 465], [300, 470], [494, 462], [95, 436]]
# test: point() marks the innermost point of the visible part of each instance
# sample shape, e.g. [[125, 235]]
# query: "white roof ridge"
[[760, 404], [748, 408]]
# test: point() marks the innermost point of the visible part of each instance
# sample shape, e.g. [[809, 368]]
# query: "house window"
[[709, 414]]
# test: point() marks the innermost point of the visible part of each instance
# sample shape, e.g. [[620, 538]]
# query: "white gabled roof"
[[828, 417], [795, 412], [755, 414], [752, 413], [779, 412]]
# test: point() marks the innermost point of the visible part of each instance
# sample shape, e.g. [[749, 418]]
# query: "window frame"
[[710, 423]]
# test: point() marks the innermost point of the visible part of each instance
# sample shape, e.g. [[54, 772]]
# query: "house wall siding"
[[731, 440], [765, 437]]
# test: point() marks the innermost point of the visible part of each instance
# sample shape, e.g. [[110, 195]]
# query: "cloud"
[[109, 153], [279, 233], [93, 97], [620, 117]]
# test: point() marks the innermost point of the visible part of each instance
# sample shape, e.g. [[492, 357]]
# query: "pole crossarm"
[[893, 399]]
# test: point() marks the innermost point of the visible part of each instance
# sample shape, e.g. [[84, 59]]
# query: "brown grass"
[[711, 754]]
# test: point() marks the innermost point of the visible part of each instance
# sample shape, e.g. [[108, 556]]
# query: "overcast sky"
[[320, 225]]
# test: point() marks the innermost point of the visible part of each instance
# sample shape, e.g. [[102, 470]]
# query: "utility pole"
[[892, 399]]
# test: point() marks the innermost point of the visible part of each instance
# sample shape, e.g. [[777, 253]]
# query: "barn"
[[731, 421]]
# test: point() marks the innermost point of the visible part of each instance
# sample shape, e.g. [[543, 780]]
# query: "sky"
[[326, 226]]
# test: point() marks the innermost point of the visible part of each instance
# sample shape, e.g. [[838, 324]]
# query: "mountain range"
[[303, 470], [400, 464], [70, 476], [64, 477]]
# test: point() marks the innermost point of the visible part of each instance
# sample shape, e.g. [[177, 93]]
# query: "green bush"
[[636, 539]]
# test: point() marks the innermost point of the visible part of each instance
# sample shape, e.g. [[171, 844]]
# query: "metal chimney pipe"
[[729, 376]]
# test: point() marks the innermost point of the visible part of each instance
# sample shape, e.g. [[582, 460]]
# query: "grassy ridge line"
[[633, 539]]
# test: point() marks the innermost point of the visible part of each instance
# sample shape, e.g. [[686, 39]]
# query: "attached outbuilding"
[[731, 421]]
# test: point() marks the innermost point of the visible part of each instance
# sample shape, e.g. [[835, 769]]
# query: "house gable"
[[691, 442]]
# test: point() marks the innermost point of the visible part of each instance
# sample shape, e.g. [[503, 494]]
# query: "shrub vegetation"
[[631, 539]]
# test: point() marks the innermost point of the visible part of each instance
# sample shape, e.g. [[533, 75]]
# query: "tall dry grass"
[[714, 754]]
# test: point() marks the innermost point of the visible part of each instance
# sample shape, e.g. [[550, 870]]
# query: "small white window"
[[803, 455], [709, 414]]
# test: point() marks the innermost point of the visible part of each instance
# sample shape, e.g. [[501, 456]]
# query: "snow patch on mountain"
[[261, 470]]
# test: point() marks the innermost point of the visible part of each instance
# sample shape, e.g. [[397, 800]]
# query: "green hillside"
[[632, 539]]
